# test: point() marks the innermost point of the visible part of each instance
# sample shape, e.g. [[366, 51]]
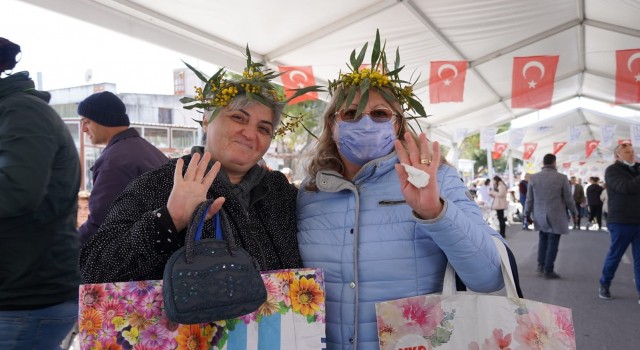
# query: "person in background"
[[623, 221], [473, 189], [594, 190], [484, 200], [148, 222], [287, 172], [368, 224], [522, 189], [577, 192], [604, 197], [83, 207], [39, 181], [548, 199], [103, 116], [499, 204]]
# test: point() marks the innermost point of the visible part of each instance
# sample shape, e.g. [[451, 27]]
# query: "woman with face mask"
[[381, 211]]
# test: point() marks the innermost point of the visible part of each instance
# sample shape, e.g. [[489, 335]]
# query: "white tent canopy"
[[486, 33]]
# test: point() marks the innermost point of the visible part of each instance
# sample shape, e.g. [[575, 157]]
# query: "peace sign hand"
[[191, 189], [425, 201]]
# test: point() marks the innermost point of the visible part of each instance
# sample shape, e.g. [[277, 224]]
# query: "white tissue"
[[417, 177]]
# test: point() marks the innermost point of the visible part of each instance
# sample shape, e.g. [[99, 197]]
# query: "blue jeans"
[[548, 250], [621, 236], [41, 329]]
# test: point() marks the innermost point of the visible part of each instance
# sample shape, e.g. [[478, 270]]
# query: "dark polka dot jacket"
[[138, 236]]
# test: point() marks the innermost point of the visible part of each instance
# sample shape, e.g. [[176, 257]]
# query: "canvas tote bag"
[[468, 320]]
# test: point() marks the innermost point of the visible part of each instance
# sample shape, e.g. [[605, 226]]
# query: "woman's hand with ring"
[[425, 201]]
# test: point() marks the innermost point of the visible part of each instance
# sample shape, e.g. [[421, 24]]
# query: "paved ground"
[[599, 324]]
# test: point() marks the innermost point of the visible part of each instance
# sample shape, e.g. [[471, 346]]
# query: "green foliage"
[[470, 149]]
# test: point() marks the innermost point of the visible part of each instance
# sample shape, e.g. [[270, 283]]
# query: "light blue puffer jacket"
[[398, 254]]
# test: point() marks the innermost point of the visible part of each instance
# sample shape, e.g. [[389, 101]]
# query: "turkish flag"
[[529, 148], [591, 146], [627, 76], [533, 79], [557, 146], [566, 165], [498, 149], [296, 78], [446, 81], [624, 141]]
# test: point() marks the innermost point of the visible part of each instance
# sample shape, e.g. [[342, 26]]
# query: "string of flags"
[[533, 80]]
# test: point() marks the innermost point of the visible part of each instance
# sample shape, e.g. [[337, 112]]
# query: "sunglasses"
[[378, 115]]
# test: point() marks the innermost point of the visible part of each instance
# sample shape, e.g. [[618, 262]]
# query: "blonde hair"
[[325, 152]]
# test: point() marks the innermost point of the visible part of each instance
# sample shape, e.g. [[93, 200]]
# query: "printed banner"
[[516, 136], [446, 81], [635, 134], [461, 134], [574, 133], [607, 133], [533, 81], [487, 137], [627, 76], [296, 78]]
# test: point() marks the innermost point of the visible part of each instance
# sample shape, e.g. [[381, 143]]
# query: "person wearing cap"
[[126, 156], [623, 219], [39, 181]]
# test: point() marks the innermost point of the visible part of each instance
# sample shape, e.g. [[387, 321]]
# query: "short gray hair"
[[242, 100]]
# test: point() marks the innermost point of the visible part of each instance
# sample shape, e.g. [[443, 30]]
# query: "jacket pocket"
[[385, 203]]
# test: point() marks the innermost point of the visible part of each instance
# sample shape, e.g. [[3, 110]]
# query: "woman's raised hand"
[[191, 189], [424, 156]]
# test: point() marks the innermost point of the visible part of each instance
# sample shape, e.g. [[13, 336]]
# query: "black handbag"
[[211, 279]]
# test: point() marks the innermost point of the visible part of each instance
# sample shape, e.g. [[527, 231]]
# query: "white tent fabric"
[[486, 33]]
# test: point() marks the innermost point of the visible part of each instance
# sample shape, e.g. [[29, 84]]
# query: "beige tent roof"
[[487, 33]]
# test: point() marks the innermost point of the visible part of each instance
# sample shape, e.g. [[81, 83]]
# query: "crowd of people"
[[358, 198]]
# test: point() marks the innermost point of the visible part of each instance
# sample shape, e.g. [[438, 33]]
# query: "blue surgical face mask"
[[364, 140]]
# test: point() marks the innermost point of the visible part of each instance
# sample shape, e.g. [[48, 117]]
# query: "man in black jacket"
[[39, 181], [623, 220]]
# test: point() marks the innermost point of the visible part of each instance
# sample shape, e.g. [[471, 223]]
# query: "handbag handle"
[[449, 285], [194, 233]]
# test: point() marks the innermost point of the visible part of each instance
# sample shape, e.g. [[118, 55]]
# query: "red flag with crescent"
[[591, 146], [532, 81], [566, 165], [446, 81], [498, 149], [627, 76], [296, 78], [557, 146], [529, 148]]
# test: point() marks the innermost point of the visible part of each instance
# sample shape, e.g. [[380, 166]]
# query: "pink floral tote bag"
[[130, 315], [471, 321]]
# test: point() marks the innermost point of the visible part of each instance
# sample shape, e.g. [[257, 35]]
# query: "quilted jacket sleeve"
[[463, 235]]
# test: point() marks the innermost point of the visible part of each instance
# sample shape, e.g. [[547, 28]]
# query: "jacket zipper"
[[389, 202]]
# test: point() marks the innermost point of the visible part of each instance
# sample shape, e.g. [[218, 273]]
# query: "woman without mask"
[[148, 221], [377, 235]]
